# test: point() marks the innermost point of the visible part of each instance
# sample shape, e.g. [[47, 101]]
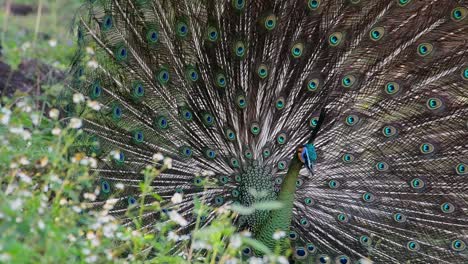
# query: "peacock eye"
[[324, 259], [235, 193], [239, 49], [425, 49], [348, 81], [292, 235], [210, 154], [313, 4], [381, 166], [278, 180], [138, 137], [460, 169], [281, 165], [398, 217], [403, 2], [234, 162], [300, 253], [459, 13], [342, 218], [212, 34], [377, 33], [221, 80], [313, 122], [304, 221], [107, 23], [311, 248], [208, 119], [297, 50], [389, 131], [262, 71], [281, 138], [192, 74], [248, 154], [152, 36], [198, 181], [335, 39], [266, 152], [131, 201], [458, 245], [299, 183], [241, 101], [116, 112], [239, 4], [352, 120], [182, 29], [447, 208], [392, 88], [464, 74], [342, 259], [255, 128], [105, 186], [368, 197], [365, 240], [333, 184], [163, 76], [413, 246], [308, 201], [417, 183], [313, 85], [186, 151], [96, 90], [434, 103], [426, 148], [347, 158], [270, 22], [230, 134], [219, 200], [280, 103]]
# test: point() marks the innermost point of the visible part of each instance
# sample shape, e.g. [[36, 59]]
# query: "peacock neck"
[[280, 220]]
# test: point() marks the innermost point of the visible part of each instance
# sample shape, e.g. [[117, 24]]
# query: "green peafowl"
[[352, 113]]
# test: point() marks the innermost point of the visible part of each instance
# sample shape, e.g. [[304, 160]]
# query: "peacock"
[[351, 113]]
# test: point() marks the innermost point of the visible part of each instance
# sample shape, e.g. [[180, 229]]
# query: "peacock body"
[[372, 96]]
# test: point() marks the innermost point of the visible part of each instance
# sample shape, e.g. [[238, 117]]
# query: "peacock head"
[[307, 155]]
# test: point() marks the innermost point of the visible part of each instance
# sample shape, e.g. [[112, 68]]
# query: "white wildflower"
[[5, 115], [168, 162], [109, 230], [63, 201], [120, 186], [14, 165], [236, 241], [24, 161], [255, 260], [86, 251], [53, 43], [207, 173], [115, 154], [91, 259], [24, 178], [24, 106], [198, 244], [92, 64], [19, 219], [279, 234], [176, 198], [90, 50], [231, 261], [16, 204], [158, 156], [35, 118], [94, 105], [5, 258], [54, 113], [25, 46], [184, 237], [71, 238], [365, 261], [282, 260], [75, 123], [176, 217], [40, 224], [78, 98], [172, 236], [110, 204], [56, 131], [246, 233], [92, 162]]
